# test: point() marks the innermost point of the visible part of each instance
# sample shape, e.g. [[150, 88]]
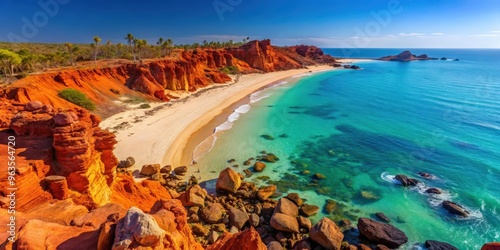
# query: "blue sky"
[[325, 23]]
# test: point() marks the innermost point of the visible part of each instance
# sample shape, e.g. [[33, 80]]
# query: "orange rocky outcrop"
[[245, 240], [188, 71]]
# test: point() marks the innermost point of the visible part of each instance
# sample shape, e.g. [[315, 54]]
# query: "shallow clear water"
[[361, 127]]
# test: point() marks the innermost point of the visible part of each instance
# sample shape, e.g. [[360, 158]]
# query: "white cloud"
[[411, 34], [495, 31], [437, 34], [486, 35]]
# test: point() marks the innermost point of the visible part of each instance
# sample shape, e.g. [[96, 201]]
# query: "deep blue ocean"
[[359, 128]]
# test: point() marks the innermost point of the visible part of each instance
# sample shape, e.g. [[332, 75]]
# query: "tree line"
[[20, 59]]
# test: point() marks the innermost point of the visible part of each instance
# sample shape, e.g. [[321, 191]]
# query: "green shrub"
[[145, 106], [77, 97], [233, 70]]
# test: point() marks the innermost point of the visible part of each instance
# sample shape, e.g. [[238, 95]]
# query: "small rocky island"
[[407, 56]]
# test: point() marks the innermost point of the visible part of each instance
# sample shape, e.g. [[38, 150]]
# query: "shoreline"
[[165, 136]]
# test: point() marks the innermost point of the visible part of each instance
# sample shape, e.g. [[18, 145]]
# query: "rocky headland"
[[407, 56]]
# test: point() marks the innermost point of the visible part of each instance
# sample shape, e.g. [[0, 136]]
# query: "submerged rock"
[[266, 192], [382, 233], [437, 245], [267, 137], [259, 166], [309, 210], [383, 217], [433, 191]]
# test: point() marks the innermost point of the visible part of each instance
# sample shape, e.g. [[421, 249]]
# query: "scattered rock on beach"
[[266, 192], [150, 169], [181, 170], [166, 169], [228, 181], [309, 210], [327, 234], [212, 213]]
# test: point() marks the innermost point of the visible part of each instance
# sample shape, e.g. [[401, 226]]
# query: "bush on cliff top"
[[233, 70], [77, 97]]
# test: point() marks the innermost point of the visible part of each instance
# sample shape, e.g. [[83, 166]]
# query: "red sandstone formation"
[[188, 72]]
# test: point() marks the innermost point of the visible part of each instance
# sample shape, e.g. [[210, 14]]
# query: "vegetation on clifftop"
[[78, 98]]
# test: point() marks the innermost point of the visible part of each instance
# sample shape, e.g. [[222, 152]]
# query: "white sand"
[[161, 138]]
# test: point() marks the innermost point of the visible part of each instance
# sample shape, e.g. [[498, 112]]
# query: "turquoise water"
[[359, 128]]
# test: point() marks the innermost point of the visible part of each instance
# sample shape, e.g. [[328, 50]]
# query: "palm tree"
[[169, 45], [131, 41], [140, 44], [160, 45], [97, 40], [69, 47], [108, 48]]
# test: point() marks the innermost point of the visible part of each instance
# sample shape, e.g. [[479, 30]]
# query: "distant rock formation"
[[406, 56]]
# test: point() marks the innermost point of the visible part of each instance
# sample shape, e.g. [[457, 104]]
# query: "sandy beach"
[[163, 137]]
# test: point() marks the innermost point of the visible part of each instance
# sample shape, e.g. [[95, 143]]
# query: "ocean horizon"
[[360, 128]]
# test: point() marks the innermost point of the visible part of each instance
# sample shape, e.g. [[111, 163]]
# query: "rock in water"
[[383, 217], [259, 166], [309, 210], [437, 245], [295, 198], [327, 234], [228, 181], [406, 181], [382, 233], [286, 206], [491, 246], [266, 192], [433, 191], [137, 228], [454, 208]]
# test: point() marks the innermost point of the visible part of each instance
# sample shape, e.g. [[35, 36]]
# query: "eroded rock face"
[[137, 228], [382, 233], [491, 246], [327, 234]]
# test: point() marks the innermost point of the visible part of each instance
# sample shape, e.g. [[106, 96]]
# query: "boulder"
[[309, 210], [285, 223], [259, 166], [137, 228], [213, 236], [254, 220], [270, 158], [285, 206], [65, 118], [199, 230], [182, 170], [491, 246], [150, 169], [33, 105], [166, 169], [455, 209], [382, 233], [406, 181], [212, 213], [228, 181], [237, 217], [266, 192], [248, 239], [433, 191], [274, 245], [304, 222], [437, 245], [195, 196], [106, 235], [295, 198], [327, 234]]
